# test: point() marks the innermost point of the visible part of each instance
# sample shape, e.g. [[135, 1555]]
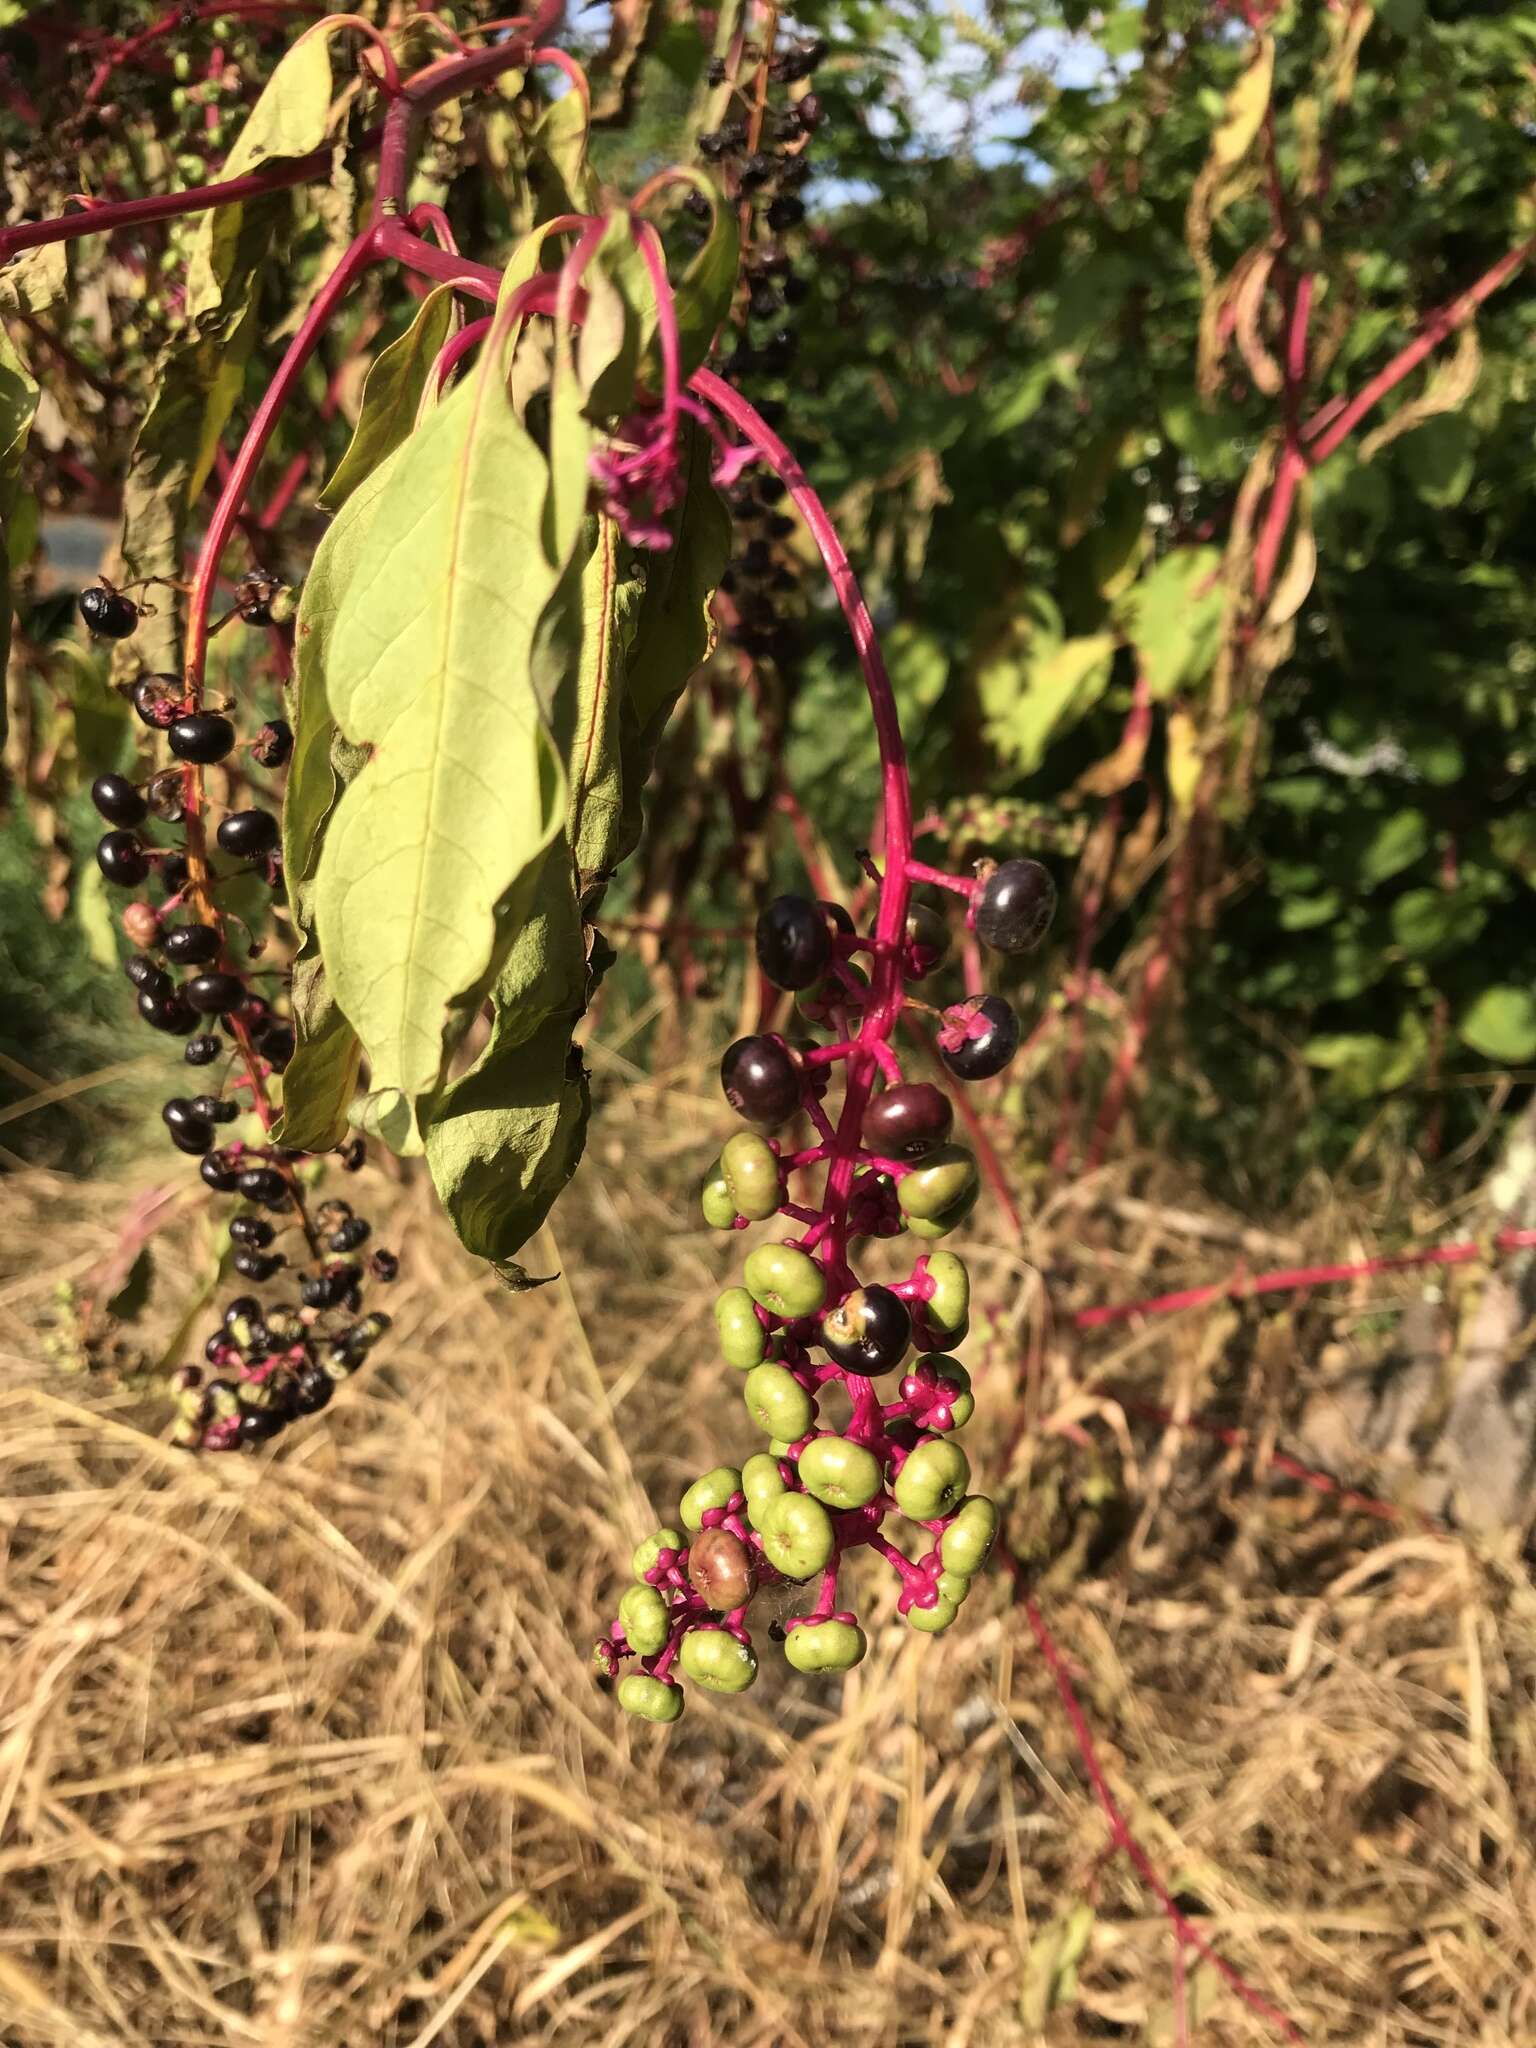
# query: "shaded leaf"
[[1031, 701], [1501, 1024], [392, 395], [1173, 617]]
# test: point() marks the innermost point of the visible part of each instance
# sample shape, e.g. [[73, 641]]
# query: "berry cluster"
[[275, 1363], [805, 1331]]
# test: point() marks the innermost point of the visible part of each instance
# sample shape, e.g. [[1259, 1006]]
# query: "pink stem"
[[919, 871]]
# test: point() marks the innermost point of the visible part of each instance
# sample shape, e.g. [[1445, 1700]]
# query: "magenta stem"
[[919, 871]]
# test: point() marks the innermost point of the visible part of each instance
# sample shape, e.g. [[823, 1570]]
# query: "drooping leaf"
[[432, 856], [1029, 701], [392, 395], [704, 296], [31, 283]]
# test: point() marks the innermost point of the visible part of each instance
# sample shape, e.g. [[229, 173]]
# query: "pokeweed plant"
[[512, 594]]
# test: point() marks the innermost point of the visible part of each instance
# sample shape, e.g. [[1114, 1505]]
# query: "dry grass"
[[303, 1749]]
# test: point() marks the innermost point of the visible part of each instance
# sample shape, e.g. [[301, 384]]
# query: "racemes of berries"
[[801, 1323]]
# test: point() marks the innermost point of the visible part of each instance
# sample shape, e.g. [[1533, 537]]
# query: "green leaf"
[[431, 859], [1396, 843], [704, 297], [93, 910], [1173, 617], [1027, 703], [392, 394], [103, 720], [1501, 1025], [1050, 1967], [33, 282], [1426, 922], [1363, 1064], [1439, 458]]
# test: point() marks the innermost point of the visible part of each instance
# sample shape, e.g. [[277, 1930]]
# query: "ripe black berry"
[[202, 1051], [221, 1172], [201, 736], [907, 1121], [255, 1231], [811, 112], [927, 940], [166, 1013], [978, 1057], [108, 613], [353, 1155], [1015, 906], [274, 743], [793, 943], [178, 1112], [214, 1109], [869, 1332], [191, 945], [245, 834], [122, 859], [214, 994], [256, 1265], [350, 1234], [145, 975], [761, 1080], [118, 801], [312, 1388], [175, 873], [156, 699], [193, 1136], [258, 1424], [384, 1265], [785, 212], [264, 1184]]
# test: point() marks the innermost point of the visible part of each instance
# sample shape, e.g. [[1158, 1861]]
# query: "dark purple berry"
[[214, 994], [157, 700], [794, 946], [264, 1184], [202, 1051], [201, 736], [384, 1265], [166, 1012], [312, 1388], [811, 113], [256, 1265], [353, 1232], [761, 1080], [254, 1231], [246, 834], [353, 1155], [258, 1424], [147, 977], [108, 613], [1015, 906], [869, 1332], [191, 945], [785, 212], [122, 859], [274, 743], [118, 801], [979, 1037], [175, 873], [221, 1172], [193, 1137], [276, 1043], [215, 1109], [907, 1121]]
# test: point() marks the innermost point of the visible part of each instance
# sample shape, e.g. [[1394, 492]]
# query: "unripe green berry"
[[751, 1169], [715, 1200], [947, 1309], [936, 1187], [786, 1281], [967, 1543], [825, 1646], [840, 1472], [762, 1482], [778, 1447], [643, 1616], [646, 1553], [777, 1402], [933, 1480], [797, 1535], [941, 1226], [954, 1587], [933, 1620], [955, 1383], [743, 1340], [714, 1658], [650, 1699], [710, 1490]]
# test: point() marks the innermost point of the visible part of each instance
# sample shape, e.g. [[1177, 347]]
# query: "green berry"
[[932, 1620], [779, 1448], [646, 1553], [967, 1543], [714, 1658], [945, 1179], [947, 1309], [954, 1383], [643, 1615], [711, 1490], [715, 1199], [777, 1402], [954, 1587], [825, 1646], [785, 1281], [650, 1699], [941, 1226], [933, 1480], [743, 1340], [797, 1535], [751, 1169], [840, 1472], [762, 1482]]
